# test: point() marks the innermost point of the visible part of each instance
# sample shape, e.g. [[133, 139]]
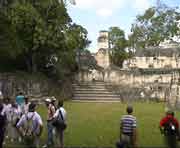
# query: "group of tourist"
[[169, 127], [20, 122]]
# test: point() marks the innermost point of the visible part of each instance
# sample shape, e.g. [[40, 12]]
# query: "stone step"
[[97, 101], [91, 89], [90, 83], [90, 86], [96, 95], [92, 92], [96, 98]]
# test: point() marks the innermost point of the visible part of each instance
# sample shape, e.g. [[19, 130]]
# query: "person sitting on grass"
[[30, 127]]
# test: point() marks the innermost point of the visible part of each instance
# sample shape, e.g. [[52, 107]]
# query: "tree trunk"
[[28, 63], [34, 65], [31, 62]]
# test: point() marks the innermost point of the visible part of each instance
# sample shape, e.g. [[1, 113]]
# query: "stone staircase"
[[93, 91]]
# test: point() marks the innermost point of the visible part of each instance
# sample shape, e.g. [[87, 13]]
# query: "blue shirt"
[[20, 99]]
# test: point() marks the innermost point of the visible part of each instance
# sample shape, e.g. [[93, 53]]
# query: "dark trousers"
[[125, 142], [1, 138], [171, 141]]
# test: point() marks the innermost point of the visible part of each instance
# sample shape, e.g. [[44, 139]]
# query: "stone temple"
[[102, 56], [152, 74]]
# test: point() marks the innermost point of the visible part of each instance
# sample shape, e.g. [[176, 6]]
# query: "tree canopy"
[[118, 44], [156, 25], [33, 32]]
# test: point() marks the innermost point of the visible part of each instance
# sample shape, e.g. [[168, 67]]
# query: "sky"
[[96, 15]]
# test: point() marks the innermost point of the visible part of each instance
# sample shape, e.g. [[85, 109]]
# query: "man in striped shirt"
[[128, 132]]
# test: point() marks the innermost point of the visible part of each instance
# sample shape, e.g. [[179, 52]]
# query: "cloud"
[[106, 8], [141, 5], [103, 8], [104, 12]]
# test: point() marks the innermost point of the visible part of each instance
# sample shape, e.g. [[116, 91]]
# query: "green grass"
[[97, 124]]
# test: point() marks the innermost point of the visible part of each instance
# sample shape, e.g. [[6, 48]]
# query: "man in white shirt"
[[31, 125]]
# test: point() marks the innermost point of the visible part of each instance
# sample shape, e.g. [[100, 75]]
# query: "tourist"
[[6, 106], [14, 117], [128, 131], [169, 127], [61, 112], [20, 100], [1, 95], [53, 102], [30, 126], [2, 125], [50, 127], [26, 105], [6, 111]]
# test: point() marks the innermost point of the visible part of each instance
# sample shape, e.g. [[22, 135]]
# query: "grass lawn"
[[97, 124]]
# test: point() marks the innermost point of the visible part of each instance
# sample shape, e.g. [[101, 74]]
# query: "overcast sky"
[[96, 15]]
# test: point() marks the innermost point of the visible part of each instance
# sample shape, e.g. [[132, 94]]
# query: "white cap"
[[53, 98], [48, 100]]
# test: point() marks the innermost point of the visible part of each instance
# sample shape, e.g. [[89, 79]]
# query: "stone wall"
[[137, 83], [10, 85], [124, 77], [33, 86], [152, 62]]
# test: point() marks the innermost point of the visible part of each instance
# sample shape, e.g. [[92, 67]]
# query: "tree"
[[76, 40], [38, 31], [118, 44], [156, 25]]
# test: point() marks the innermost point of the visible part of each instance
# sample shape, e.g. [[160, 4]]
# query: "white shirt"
[[36, 120], [14, 115], [63, 111], [26, 108], [6, 109], [1, 95]]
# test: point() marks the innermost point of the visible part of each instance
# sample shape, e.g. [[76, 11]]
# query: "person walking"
[[30, 127], [61, 115], [128, 130], [169, 127]]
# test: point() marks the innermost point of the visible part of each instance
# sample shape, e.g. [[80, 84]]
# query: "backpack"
[[170, 128], [59, 122], [28, 128]]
